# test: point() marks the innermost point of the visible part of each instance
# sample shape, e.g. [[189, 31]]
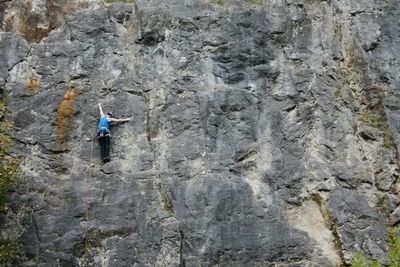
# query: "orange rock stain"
[[32, 85], [65, 114]]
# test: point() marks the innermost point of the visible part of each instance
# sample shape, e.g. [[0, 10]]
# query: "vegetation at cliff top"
[[359, 260]]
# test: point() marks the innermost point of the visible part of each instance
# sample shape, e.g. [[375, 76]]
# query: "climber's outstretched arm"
[[120, 120], [101, 111]]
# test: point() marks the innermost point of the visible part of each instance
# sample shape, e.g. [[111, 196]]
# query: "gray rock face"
[[261, 135]]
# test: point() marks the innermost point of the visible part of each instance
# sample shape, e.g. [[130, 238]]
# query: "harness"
[[103, 131]]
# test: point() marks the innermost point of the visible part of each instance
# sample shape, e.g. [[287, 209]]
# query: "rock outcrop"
[[264, 133]]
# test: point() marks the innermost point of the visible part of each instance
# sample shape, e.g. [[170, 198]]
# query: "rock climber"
[[104, 134]]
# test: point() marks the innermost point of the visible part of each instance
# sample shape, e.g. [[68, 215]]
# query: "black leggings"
[[105, 147]]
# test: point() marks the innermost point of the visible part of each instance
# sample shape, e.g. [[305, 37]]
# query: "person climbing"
[[104, 134]]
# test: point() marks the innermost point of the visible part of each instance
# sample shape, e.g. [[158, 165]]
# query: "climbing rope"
[[88, 184]]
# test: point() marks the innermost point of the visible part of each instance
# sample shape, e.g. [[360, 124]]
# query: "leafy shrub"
[[360, 260], [394, 247]]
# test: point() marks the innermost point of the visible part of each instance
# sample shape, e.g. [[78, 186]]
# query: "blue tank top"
[[104, 123]]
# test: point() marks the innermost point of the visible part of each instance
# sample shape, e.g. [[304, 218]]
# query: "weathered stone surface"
[[14, 50], [261, 134]]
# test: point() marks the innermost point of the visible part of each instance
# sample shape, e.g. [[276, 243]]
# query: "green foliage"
[[394, 247], [219, 2], [255, 2], [8, 164], [7, 252], [360, 260]]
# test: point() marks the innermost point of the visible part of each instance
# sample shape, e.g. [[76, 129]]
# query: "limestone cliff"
[[264, 133]]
